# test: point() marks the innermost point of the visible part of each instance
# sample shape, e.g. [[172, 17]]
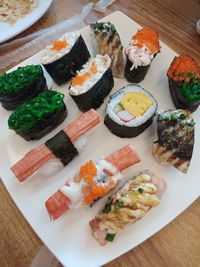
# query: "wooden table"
[[178, 244]]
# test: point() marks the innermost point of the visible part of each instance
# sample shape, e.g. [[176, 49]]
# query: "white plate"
[[8, 31], [69, 237]]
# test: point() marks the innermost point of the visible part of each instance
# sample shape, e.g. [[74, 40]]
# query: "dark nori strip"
[[12, 101], [125, 131], [64, 68], [179, 100], [62, 147], [45, 126], [137, 74], [94, 97]]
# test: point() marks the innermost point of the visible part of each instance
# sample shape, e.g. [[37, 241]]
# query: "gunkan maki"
[[39, 116], [21, 85], [130, 111], [92, 84], [65, 56], [142, 49], [184, 82]]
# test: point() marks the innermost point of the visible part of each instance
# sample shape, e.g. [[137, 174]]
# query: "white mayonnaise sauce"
[[74, 193]]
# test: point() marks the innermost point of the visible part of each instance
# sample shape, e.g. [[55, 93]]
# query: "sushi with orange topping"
[[92, 83], [65, 56], [92, 182], [142, 49], [184, 82]]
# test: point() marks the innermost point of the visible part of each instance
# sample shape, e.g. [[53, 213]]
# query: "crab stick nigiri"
[[57, 151], [129, 204], [93, 181]]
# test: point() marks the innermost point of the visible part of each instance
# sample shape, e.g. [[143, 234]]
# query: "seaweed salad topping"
[[104, 27], [185, 71], [29, 114], [19, 79]]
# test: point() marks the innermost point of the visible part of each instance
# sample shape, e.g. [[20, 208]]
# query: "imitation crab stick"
[[61, 148], [93, 181]]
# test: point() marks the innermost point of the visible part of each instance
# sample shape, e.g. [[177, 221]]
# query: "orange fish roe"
[[81, 78], [91, 190], [148, 37], [59, 44], [182, 68]]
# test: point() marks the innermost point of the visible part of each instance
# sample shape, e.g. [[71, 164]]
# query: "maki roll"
[[59, 150], [142, 49], [21, 85], [108, 41], [129, 204], [92, 84], [65, 56], [39, 116], [130, 111], [93, 181], [174, 139], [184, 82]]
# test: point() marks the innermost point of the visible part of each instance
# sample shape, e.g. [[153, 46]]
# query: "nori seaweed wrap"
[[92, 84], [130, 111], [142, 49], [19, 86], [39, 116], [184, 82], [65, 56]]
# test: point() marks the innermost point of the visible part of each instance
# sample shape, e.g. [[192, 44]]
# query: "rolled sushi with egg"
[[142, 49], [65, 56], [184, 82], [130, 111], [92, 84], [21, 85], [39, 116]]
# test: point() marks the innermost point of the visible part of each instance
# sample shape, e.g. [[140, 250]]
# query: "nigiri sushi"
[[93, 181], [129, 204], [142, 49], [34, 119], [109, 43], [65, 56], [174, 138], [58, 151], [184, 82], [92, 84], [20, 85]]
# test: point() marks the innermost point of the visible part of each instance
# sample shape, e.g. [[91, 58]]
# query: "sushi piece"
[[174, 139], [142, 49], [130, 111], [184, 82], [39, 116], [129, 204], [108, 41], [93, 181], [65, 56], [58, 151], [92, 84], [21, 85]]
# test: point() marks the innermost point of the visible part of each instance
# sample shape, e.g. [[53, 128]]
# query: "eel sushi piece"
[[129, 204], [59, 150], [92, 84], [92, 182], [109, 43], [130, 111], [142, 49], [174, 139], [21, 85], [65, 56], [184, 82], [36, 118]]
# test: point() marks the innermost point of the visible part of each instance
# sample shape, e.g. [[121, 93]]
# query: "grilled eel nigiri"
[[174, 138], [129, 204], [109, 43]]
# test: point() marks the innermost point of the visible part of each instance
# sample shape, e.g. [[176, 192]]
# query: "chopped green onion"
[[140, 190], [110, 237], [123, 194], [133, 178], [107, 208], [118, 205]]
